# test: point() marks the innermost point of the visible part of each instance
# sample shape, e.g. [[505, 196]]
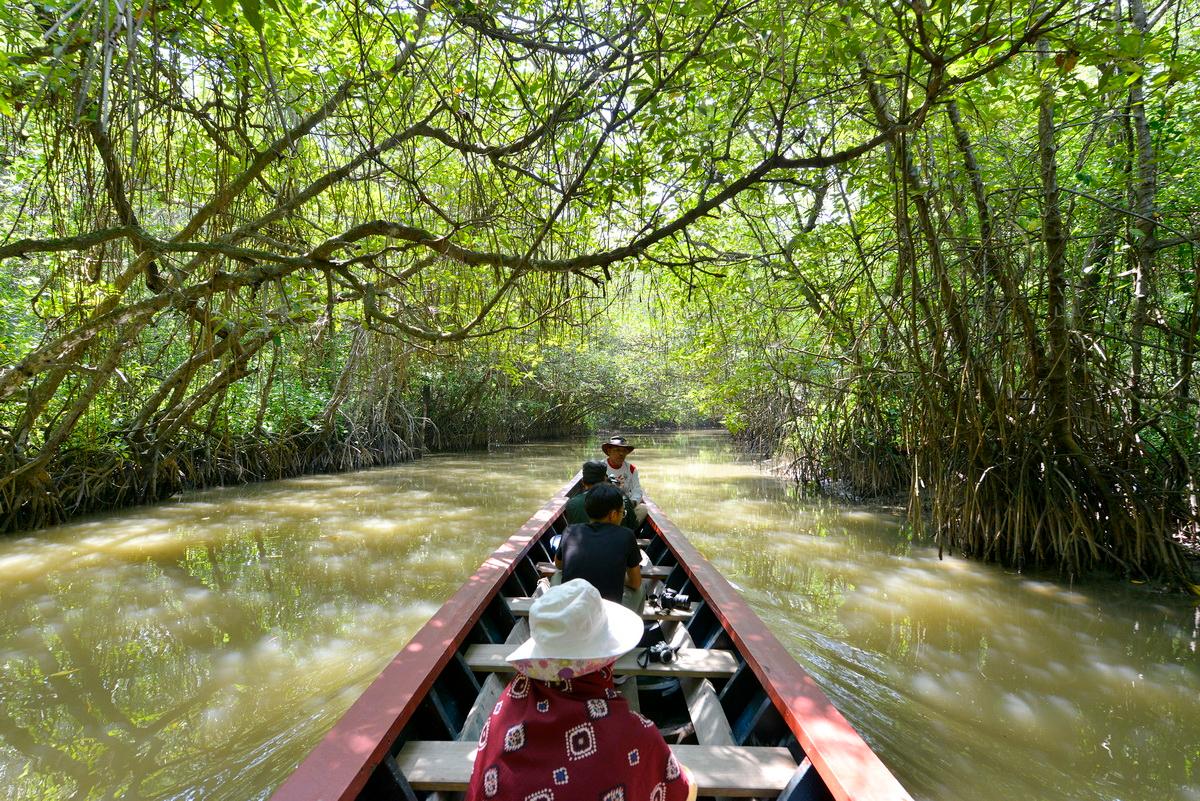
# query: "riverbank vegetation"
[[941, 250]]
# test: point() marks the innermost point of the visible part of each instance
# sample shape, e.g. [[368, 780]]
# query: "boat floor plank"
[[733, 771], [698, 662], [629, 690], [494, 685], [520, 608], [704, 707], [489, 693]]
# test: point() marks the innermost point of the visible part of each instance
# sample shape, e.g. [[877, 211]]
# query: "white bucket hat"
[[574, 632]]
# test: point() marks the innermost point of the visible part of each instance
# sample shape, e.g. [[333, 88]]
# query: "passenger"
[[603, 552], [624, 475], [560, 729], [593, 473]]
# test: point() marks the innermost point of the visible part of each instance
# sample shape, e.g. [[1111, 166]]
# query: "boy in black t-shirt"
[[602, 552]]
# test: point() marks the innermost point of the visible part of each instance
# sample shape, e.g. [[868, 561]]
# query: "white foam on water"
[[268, 660], [1062, 707], [927, 686], [196, 597], [229, 667], [374, 525], [1019, 711], [1112, 675]]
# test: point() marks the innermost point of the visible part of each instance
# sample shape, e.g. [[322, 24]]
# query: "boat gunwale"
[[850, 768], [340, 765]]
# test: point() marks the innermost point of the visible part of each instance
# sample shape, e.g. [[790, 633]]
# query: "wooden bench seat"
[[652, 571], [520, 608], [724, 770], [697, 662]]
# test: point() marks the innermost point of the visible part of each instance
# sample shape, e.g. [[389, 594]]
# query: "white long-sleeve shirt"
[[626, 479]]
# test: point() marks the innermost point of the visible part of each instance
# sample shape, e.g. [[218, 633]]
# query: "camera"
[[667, 599], [661, 652]]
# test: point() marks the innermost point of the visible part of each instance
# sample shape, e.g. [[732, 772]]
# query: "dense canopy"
[[944, 250]]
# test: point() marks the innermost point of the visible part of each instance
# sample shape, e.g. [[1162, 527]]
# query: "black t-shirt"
[[599, 553]]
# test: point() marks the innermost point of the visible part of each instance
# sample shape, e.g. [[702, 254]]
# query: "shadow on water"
[[198, 649]]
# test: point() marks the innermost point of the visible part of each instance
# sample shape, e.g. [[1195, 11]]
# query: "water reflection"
[[198, 649], [970, 682]]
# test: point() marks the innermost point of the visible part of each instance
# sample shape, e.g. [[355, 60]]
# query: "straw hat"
[[617, 442], [574, 632]]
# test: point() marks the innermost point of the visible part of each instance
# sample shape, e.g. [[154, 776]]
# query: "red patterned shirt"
[[574, 740]]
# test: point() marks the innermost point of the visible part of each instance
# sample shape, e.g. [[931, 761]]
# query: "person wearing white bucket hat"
[[571, 635], [560, 729]]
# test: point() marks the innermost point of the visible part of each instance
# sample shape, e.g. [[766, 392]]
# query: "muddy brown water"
[[198, 649]]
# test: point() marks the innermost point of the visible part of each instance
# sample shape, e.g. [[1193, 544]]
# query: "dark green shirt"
[[574, 512]]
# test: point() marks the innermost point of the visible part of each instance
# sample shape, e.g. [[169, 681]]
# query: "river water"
[[198, 649]]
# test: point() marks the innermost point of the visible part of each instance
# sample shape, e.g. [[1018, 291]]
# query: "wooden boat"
[[735, 706]]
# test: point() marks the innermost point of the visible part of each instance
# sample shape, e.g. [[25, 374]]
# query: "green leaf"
[[1130, 44], [253, 13]]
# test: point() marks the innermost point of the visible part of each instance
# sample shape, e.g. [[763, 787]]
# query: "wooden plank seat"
[[520, 608], [697, 662], [648, 571], [724, 770]]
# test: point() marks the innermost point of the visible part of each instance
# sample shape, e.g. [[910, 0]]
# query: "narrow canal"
[[198, 649]]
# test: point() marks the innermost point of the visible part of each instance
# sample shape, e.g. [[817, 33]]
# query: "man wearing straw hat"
[[560, 729], [624, 475]]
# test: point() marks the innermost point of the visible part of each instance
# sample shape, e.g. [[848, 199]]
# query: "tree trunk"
[[1142, 203], [1054, 240]]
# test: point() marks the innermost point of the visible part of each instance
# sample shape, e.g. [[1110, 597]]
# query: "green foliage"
[[301, 234], [618, 375]]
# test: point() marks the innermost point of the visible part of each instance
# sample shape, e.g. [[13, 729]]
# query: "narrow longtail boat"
[[734, 705]]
